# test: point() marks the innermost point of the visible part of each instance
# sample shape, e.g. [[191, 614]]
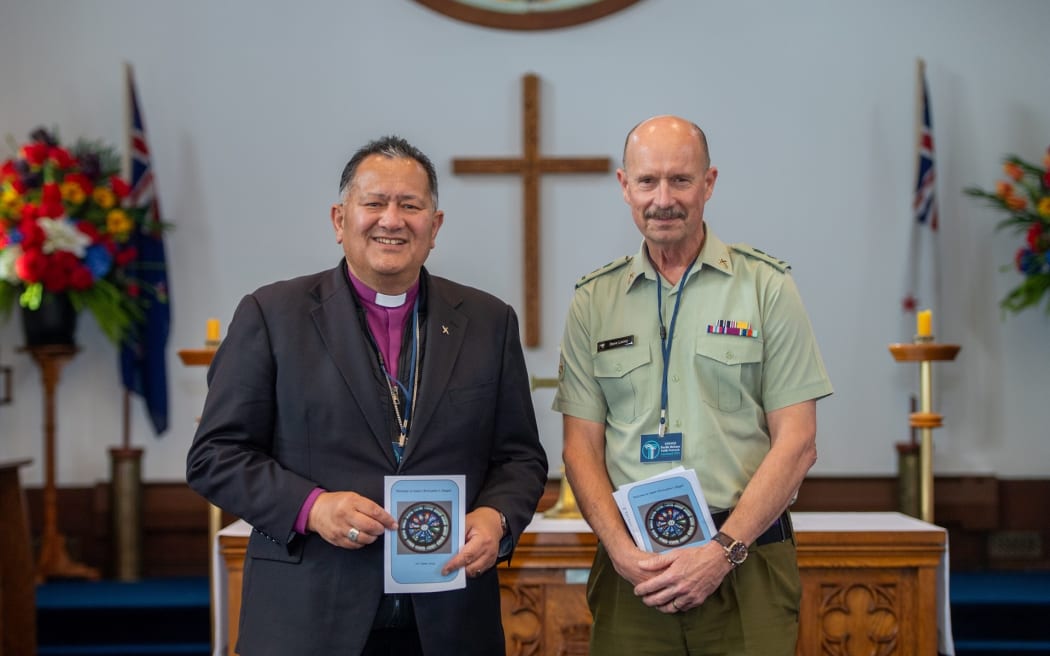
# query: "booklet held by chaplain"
[[430, 528], [666, 511]]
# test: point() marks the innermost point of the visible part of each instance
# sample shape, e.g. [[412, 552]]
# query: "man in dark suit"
[[327, 383]]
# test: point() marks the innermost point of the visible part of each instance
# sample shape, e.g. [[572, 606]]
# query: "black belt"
[[778, 531]]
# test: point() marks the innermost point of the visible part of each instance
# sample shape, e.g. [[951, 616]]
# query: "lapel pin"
[[444, 329]]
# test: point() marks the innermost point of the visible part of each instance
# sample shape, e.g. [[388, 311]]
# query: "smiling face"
[[387, 222], [666, 180]]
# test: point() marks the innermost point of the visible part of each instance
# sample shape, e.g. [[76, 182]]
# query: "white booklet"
[[430, 530], [666, 511]]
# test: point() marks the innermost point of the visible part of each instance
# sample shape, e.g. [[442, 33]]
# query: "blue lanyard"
[[666, 337], [413, 375]]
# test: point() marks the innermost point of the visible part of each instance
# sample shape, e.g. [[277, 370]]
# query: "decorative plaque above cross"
[[530, 166]]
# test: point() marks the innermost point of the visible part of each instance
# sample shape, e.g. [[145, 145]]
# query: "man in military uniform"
[[694, 353]]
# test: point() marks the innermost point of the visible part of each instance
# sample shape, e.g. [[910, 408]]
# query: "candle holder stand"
[[925, 351], [54, 560]]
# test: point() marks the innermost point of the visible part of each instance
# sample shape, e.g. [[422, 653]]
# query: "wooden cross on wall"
[[530, 167]]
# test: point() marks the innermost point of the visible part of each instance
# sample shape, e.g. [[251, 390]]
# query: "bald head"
[[667, 178], [667, 129]]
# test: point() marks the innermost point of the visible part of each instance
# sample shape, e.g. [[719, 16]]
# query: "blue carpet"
[[1000, 613], [173, 592], [153, 617], [996, 587]]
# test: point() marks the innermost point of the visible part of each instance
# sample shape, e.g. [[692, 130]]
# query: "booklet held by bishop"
[[666, 511], [430, 530]]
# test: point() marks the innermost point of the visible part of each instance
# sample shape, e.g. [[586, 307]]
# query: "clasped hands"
[[351, 521], [675, 580]]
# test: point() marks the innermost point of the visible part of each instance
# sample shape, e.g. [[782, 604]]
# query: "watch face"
[[737, 552]]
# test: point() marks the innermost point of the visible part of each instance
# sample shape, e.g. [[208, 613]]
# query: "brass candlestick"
[[565, 507], [925, 351]]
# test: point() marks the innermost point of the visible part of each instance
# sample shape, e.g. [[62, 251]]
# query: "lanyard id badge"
[[663, 446]]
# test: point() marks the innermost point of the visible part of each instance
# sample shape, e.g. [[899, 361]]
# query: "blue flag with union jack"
[[925, 198], [923, 284], [143, 355]]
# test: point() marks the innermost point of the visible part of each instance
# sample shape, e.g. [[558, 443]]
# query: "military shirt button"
[[729, 355], [678, 423], [619, 368], [674, 378]]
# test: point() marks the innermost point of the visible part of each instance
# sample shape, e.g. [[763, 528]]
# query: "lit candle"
[[924, 321], [212, 338]]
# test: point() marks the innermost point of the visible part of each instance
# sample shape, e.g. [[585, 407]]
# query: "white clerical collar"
[[387, 301]]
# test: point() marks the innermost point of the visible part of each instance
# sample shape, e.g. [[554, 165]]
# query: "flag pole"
[[126, 168], [125, 483], [920, 89]]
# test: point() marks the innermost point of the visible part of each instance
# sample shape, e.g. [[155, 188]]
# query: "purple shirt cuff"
[[304, 512]]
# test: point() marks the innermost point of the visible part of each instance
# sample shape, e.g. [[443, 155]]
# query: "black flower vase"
[[54, 322]]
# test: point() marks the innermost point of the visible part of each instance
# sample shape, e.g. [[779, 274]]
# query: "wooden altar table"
[[871, 583]]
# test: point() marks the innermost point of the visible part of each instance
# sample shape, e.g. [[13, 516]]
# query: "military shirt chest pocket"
[[625, 375], [729, 368]]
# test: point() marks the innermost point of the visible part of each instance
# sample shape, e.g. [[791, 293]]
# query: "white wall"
[[254, 106]]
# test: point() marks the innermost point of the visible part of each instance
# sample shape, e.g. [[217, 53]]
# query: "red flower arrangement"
[[66, 229], [1025, 196]]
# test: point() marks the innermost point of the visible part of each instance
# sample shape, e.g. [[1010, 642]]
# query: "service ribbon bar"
[[727, 327]]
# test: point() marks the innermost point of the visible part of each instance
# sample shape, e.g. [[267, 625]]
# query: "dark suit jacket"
[[294, 402]]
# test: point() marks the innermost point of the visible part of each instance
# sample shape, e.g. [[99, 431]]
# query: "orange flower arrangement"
[[1025, 196]]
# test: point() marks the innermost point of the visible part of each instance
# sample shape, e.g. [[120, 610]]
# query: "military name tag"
[[617, 342]]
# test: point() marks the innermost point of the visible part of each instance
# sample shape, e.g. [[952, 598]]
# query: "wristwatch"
[[736, 551], [503, 524]]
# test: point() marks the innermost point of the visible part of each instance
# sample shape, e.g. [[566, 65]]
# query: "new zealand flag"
[[143, 356]]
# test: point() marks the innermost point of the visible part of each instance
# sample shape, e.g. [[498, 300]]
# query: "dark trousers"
[[394, 630], [393, 642]]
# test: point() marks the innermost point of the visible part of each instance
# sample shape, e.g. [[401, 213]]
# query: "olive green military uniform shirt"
[[742, 346]]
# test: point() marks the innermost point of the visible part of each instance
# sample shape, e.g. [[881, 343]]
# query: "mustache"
[[667, 213]]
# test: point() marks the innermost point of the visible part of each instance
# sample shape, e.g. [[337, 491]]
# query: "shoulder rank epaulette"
[[751, 251], [602, 270]]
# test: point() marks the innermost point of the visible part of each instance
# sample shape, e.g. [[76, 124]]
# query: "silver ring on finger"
[[674, 602], [352, 534]]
